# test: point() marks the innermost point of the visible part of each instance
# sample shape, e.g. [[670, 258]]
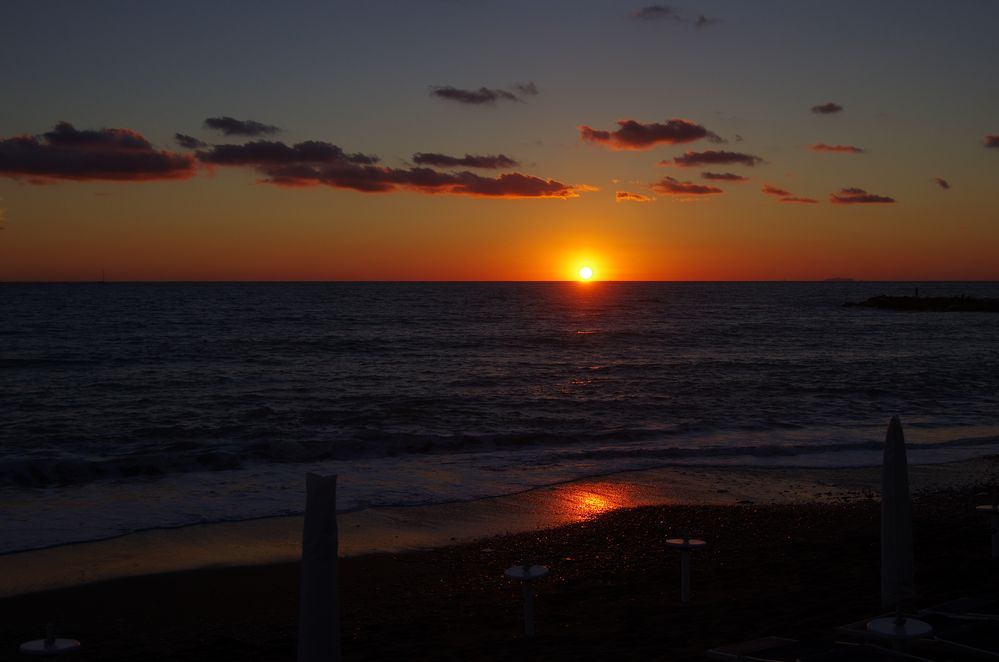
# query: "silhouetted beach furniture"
[[319, 598], [527, 574], [779, 649], [50, 645], [896, 542], [950, 636], [686, 545]]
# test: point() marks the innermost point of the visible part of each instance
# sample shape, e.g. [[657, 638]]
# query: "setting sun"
[[585, 273]]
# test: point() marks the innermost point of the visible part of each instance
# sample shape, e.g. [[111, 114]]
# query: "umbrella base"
[[892, 627]]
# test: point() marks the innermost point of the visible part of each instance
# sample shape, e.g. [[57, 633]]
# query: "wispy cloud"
[[636, 135], [840, 149], [188, 142], [784, 196], [671, 14], [942, 183], [66, 153], [233, 127], [656, 13], [484, 96], [626, 196], [858, 196], [773, 190], [827, 108], [273, 153], [492, 162], [992, 141], [671, 186], [713, 157], [724, 177]]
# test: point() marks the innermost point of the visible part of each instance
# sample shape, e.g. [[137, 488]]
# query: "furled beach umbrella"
[[319, 599], [896, 520], [896, 542]]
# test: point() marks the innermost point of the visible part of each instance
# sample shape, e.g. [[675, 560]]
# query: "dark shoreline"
[[795, 570]]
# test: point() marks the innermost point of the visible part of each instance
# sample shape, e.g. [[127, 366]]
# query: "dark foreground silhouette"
[[787, 570]]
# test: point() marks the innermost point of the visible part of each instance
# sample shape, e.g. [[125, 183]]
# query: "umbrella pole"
[[899, 644], [528, 608]]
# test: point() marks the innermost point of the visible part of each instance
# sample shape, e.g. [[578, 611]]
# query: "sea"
[[133, 406]]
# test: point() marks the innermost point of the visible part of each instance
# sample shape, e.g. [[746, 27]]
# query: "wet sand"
[[796, 568]]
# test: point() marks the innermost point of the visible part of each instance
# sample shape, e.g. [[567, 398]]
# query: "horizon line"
[[455, 281]]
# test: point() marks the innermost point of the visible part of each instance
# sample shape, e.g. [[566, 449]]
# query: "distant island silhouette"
[[929, 304]]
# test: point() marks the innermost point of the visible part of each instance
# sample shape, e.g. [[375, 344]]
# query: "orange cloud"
[[635, 135], [625, 196]]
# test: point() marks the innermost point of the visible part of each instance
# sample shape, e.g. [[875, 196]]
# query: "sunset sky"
[[499, 140]]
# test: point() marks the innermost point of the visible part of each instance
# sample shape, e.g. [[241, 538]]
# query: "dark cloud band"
[[66, 153], [315, 163]]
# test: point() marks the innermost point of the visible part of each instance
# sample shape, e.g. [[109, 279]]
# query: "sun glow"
[[585, 273]]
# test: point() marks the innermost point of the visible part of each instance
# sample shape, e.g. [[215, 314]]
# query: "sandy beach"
[[796, 568]]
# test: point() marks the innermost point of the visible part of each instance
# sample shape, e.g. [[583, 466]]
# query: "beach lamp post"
[[686, 545], [526, 574], [50, 645], [896, 542]]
